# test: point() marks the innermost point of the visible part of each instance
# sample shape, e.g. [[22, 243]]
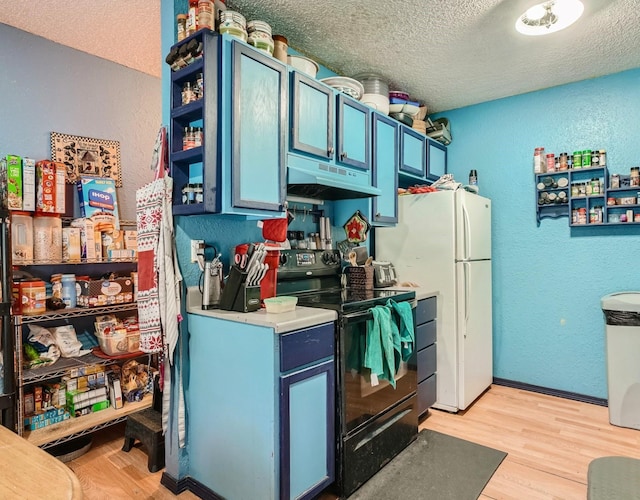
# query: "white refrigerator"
[[442, 242]]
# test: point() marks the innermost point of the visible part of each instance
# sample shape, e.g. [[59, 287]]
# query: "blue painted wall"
[[47, 87], [548, 281]]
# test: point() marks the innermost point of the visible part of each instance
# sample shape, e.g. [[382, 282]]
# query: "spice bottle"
[[218, 7], [192, 17], [473, 178], [205, 14], [603, 158], [182, 26], [539, 165]]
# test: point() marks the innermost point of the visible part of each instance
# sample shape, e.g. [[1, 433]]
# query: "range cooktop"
[[347, 300]]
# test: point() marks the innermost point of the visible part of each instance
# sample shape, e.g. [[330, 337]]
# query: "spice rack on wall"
[[585, 196]]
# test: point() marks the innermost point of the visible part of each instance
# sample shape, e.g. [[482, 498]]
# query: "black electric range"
[[374, 420]]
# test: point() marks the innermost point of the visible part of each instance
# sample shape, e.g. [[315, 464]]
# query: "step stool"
[[146, 426]]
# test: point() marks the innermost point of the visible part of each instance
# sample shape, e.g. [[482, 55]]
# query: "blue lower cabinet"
[[260, 409], [307, 414], [426, 346]]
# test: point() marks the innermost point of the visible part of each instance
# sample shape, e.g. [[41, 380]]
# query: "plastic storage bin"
[[114, 344], [622, 317], [21, 237]]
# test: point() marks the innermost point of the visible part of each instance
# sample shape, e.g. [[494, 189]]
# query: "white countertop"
[[299, 318], [421, 293]]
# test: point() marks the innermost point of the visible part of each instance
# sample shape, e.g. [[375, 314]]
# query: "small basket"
[[360, 277]]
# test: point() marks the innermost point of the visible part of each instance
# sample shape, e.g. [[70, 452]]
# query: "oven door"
[[361, 399]]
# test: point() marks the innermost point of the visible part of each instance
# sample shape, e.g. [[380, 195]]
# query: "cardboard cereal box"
[[97, 197]]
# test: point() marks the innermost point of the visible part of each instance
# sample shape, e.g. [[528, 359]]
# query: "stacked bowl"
[[376, 91]]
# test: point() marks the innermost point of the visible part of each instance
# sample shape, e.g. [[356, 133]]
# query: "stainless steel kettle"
[[212, 284]]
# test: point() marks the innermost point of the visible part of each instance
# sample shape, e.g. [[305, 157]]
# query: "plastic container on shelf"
[[114, 343], [32, 297], [21, 237], [47, 238], [259, 35], [69, 294]]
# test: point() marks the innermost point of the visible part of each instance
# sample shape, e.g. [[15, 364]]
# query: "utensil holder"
[[237, 296], [360, 277]]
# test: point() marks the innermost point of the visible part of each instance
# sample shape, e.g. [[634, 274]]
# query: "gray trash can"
[[622, 316]]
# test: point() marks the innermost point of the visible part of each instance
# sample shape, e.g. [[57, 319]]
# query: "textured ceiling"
[[123, 31], [447, 53]]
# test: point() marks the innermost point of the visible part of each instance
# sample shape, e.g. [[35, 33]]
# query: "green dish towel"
[[405, 327], [382, 354]]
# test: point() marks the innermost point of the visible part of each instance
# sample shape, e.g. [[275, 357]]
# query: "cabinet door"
[[307, 438], [436, 160], [312, 115], [259, 120], [353, 133], [412, 152], [384, 167]]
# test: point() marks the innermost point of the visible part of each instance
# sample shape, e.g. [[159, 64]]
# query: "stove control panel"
[[316, 261]]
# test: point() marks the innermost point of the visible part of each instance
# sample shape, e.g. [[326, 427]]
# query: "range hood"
[[322, 181]]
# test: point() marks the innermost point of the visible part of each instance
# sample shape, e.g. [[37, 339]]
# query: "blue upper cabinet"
[[384, 169], [312, 127], [328, 125], [258, 134], [239, 159], [352, 133], [413, 152], [436, 160]]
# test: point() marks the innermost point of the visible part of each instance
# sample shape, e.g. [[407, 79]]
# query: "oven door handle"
[[365, 315]]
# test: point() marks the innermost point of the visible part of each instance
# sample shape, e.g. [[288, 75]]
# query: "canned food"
[[586, 158]]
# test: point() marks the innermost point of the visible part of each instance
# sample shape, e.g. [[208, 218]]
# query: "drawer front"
[[426, 393], [426, 362], [426, 310], [425, 334], [302, 347]]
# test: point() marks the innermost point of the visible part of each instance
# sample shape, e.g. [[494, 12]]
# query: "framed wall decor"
[[87, 156]]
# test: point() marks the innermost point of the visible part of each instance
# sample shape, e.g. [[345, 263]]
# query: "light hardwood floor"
[[107, 472], [550, 442]]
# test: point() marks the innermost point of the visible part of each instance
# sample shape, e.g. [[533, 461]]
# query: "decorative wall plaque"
[[87, 156]]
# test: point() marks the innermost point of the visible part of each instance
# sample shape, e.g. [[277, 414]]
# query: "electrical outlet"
[[197, 248]]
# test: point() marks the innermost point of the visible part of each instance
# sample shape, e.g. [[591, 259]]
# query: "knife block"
[[237, 296]]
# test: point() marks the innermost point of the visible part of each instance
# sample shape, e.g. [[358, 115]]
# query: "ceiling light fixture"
[[548, 17]]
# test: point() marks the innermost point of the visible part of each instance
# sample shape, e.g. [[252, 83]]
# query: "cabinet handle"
[[330, 152], [343, 155]]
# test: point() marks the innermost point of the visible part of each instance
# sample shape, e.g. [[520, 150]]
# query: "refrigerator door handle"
[[467, 284], [467, 235]]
